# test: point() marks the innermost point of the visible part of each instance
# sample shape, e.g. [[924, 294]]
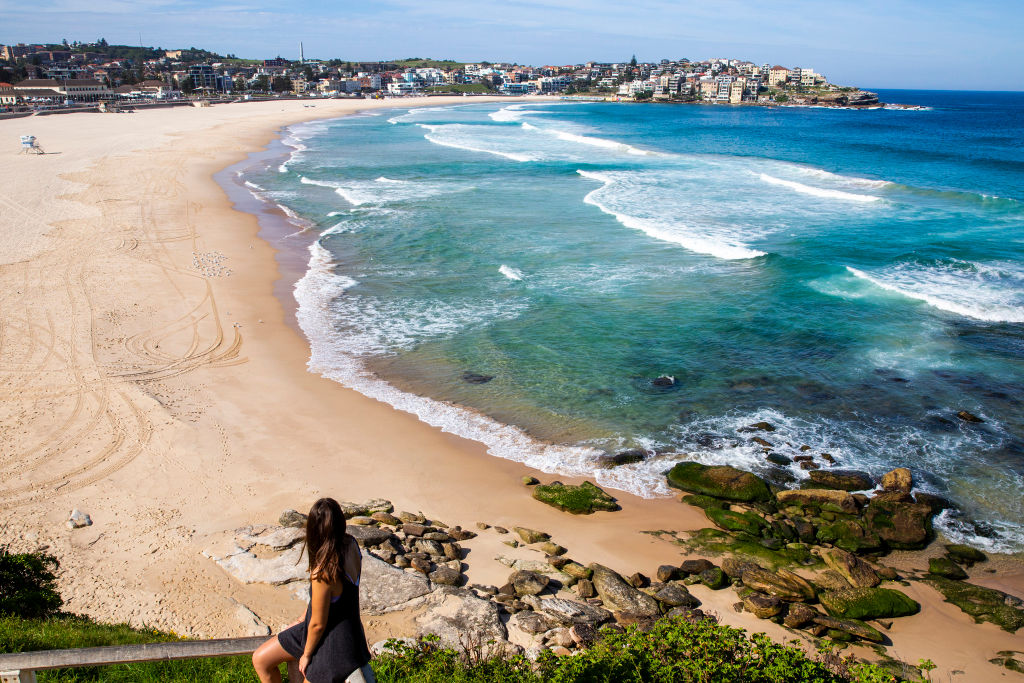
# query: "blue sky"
[[871, 43]]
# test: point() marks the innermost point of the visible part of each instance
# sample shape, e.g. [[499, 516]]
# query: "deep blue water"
[[855, 278]]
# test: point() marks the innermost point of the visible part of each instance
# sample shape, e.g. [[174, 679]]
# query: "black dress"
[[342, 649]]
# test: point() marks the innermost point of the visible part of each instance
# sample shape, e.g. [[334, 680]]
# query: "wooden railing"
[[21, 667]]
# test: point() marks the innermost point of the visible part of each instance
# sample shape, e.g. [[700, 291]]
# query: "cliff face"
[[857, 98]]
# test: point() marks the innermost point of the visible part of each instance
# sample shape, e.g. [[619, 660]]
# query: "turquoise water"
[[854, 278]]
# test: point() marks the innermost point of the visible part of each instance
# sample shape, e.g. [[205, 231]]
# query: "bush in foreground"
[[28, 584], [674, 651]]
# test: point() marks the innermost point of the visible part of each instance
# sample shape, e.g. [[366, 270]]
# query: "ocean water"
[[855, 278]]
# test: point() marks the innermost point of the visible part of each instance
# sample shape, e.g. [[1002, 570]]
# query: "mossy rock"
[[853, 627], [578, 500], [965, 554], [1008, 660], [843, 480], [868, 603], [943, 566], [900, 525], [717, 542], [850, 535], [719, 481], [704, 502], [746, 522], [714, 578], [984, 604]]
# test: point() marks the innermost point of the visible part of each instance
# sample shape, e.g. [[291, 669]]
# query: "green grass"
[[64, 632], [478, 88]]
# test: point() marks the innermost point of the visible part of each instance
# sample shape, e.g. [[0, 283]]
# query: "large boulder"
[[734, 566], [868, 603], [570, 612], [719, 481], [528, 582], [828, 500], [460, 620], [619, 596], [384, 588], [584, 499], [899, 479], [902, 526], [964, 554], [675, 595], [760, 605], [844, 480], [783, 584], [855, 570], [849, 534], [799, 615], [943, 566], [853, 627], [531, 535], [247, 567], [368, 536], [746, 522]]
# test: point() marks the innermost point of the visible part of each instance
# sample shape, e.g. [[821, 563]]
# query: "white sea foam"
[[982, 292], [382, 190], [601, 142], [717, 247], [447, 136], [818, 191], [511, 273], [254, 186], [839, 178], [323, 301], [513, 112]]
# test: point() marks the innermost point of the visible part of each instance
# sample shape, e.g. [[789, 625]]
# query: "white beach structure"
[[29, 145]]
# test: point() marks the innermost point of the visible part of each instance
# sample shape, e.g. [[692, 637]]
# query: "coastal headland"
[[150, 378]]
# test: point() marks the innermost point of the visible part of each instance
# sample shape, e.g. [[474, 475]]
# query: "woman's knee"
[[269, 655]]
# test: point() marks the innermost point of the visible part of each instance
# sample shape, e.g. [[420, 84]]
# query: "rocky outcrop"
[[460, 620], [829, 500], [853, 569], [783, 584], [843, 480], [619, 596], [899, 479], [528, 582], [584, 499], [868, 603], [719, 481], [983, 604], [384, 588], [943, 566], [531, 535]]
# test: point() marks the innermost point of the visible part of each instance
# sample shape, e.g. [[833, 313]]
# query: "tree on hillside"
[[187, 85], [281, 84], [632, 62], [262, 83]]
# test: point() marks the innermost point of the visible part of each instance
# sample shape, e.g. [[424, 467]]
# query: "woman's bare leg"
[[267, 660]]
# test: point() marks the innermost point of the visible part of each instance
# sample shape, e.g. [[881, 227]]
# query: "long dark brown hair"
[[326, 541]]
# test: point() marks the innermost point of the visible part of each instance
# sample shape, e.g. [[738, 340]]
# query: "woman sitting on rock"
[[329, 643]]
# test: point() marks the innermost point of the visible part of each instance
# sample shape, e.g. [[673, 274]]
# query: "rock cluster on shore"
[[414, 564]]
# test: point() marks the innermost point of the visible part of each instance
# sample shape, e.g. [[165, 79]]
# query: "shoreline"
[[503, 439], [178, 405]]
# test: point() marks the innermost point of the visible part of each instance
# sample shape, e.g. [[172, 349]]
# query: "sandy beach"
[[172, 402]]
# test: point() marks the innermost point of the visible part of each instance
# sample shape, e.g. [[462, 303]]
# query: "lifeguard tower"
[[30, 146]]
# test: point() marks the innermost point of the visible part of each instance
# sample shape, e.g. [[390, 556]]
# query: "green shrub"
[[675, 651], [28, 585]]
